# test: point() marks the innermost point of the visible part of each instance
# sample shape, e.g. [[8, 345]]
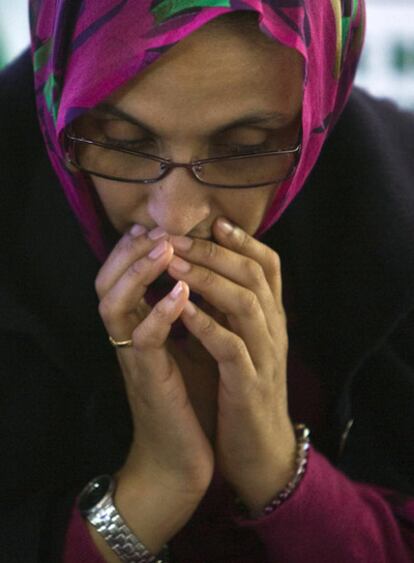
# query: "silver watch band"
[[109, 523]]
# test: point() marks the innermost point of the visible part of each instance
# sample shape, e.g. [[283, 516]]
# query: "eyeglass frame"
[[171, 165]]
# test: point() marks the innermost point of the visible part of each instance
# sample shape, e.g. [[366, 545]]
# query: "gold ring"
[[120, 343]]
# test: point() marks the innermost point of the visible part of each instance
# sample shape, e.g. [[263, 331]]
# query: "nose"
[[178, 203]]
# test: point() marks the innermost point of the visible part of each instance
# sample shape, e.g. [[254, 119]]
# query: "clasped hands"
[[239, 278]]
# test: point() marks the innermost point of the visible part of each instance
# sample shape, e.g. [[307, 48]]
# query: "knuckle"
[[160, 314], [254, 271], [274, 264], [207, 326], [110, 308], [207, 277], [135, 268], [106, 309], [248, 302], [243, 239], [209, 250], [235, 347], [126, 244]]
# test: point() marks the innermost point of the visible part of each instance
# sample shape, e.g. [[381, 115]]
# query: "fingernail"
[[190, 309], [159, 250], [137, 230], [180, 265], [157, 233], [182, 243], [225, 226], [177, 290]]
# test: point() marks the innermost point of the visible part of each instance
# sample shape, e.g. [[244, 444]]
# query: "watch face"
[[94, 491]]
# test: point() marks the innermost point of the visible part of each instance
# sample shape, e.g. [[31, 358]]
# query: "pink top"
[[328, 518]]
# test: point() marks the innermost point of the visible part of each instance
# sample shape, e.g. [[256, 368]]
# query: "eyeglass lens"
[[123, 166]]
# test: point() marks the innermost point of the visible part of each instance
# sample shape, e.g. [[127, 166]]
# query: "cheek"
[[268, 198], [249, 207], [120, 202]]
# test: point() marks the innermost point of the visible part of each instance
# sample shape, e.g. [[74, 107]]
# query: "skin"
[[221, 400]]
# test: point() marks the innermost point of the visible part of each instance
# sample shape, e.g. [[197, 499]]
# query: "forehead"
[[213, 76]]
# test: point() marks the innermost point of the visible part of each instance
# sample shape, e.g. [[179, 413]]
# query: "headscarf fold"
[[83, 51]]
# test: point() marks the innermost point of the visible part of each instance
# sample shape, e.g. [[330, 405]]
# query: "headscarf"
[[83, 51]]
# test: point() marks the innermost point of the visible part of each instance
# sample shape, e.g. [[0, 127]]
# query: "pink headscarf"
[[84, 51]]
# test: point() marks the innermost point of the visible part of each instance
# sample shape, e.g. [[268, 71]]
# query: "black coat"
[[347, 251]]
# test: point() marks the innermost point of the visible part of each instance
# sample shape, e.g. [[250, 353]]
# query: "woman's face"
[[186, 99]]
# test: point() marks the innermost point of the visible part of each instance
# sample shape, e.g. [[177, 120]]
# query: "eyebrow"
[[256, 118]]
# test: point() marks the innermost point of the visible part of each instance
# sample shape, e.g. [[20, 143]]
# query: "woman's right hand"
[[171, 461]]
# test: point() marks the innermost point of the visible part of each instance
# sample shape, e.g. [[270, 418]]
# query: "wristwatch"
[[96, 505]]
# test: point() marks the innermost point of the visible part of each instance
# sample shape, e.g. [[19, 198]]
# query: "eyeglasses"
[[121, 164]]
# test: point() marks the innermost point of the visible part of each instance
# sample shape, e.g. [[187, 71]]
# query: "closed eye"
[[227, 148], [125, 143], [245, 148]]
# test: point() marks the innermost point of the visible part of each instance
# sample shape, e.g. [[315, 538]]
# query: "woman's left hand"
[[240, 277]]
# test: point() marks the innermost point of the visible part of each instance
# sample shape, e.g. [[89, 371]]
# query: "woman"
[[181, 133]]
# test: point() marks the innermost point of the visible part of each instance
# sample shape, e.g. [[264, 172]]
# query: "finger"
[[152, 332], [242, 270], [234, 238], [133, 245], [151, 374], [241, 305], [237, 372], [156, 368], [123, 306]]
